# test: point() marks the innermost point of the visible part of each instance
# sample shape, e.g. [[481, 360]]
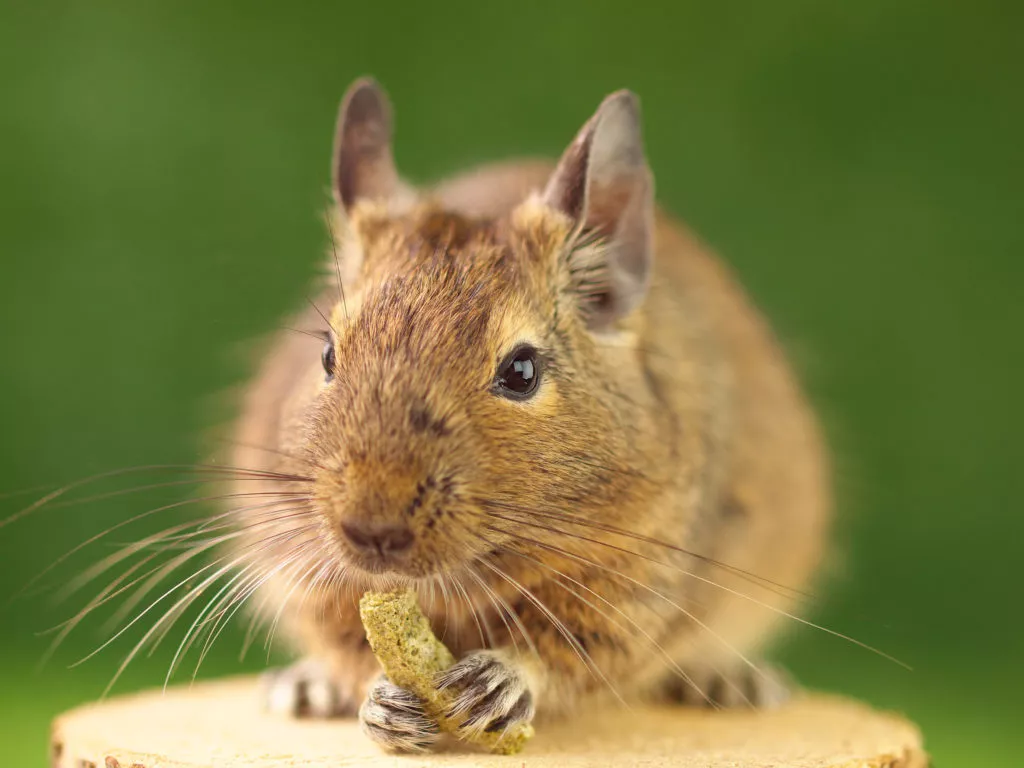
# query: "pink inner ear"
[[603, 183], [567, 189], [606, 203], [363, 165]]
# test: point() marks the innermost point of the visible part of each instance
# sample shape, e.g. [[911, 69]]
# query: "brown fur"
[[682, 423]]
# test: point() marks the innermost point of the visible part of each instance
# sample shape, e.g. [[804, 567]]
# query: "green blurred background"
[[162, 171]]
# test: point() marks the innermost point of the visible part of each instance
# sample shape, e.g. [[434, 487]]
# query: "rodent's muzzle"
[[376, 543], [380, 510], [376, 540]]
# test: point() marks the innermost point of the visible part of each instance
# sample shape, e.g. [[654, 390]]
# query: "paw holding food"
[[481, 699]]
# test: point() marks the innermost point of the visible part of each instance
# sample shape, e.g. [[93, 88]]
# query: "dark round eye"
[[327, 358], [518, 374]]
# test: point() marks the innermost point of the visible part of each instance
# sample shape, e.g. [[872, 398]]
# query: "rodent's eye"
[[518, 374], [327, 358]]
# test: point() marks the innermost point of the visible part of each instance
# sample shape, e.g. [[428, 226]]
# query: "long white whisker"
[[712, 583], [201, 468], [577, 648], [635, 582], [502, 607], [572, 519], [130, 520], [189, 632], [461, 590], [673, 664]]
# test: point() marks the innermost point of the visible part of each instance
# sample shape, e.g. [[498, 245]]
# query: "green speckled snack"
[[412, 657]]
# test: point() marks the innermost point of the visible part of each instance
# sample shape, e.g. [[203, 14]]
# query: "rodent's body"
[[699, 438]]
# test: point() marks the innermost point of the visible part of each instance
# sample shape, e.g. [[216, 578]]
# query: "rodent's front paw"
[[763, 687], [304, 689], [490, 691], [394, 718]]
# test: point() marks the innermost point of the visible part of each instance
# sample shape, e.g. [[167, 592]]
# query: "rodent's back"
[[774, 499], [712, 354]]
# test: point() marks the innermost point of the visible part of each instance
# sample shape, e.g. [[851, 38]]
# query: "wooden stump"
[[221, 724]]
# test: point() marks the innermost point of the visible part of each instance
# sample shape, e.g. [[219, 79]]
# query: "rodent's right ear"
[[364, 168], [603, 184]]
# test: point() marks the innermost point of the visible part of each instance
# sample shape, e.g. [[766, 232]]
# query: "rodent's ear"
[[363, 167], [603, 184]]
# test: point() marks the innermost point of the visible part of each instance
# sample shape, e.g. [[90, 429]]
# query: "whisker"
[[96, 602], [185, 642], [276, 451], [175, 505], [23, 492], [160, 599], [237, 601], [322, 315], [433, 595], [176, 484], [502, 608], [320, 336], [672, 662], [607, 528], [337, 262], [170, 616], [207, 625], [282, 563], [163, 570], [201, 468], [484, 642], [637, 583], [257, 613], [176, 562], [442, 582], [226, 615], [268, 642], [712, 583], [273, 518], [559, 626]]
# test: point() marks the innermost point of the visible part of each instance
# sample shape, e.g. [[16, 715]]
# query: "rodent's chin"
[[389, 566]]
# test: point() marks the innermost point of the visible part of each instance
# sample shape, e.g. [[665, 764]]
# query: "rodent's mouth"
[[384, 565]]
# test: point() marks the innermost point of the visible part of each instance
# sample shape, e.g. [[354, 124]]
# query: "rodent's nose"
[[378, 539]]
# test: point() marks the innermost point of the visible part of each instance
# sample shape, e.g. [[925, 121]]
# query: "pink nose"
[[378, 539]]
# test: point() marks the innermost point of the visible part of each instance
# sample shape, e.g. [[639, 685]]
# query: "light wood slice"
[[222, 724]]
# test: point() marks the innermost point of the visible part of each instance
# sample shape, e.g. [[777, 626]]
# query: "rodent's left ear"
[[603, 184], [363, 167]]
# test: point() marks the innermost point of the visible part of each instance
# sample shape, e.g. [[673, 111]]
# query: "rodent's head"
[[478, 369]]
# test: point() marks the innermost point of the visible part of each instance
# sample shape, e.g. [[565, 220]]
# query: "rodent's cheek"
[[548, 399], [448, 546], [302, 398]]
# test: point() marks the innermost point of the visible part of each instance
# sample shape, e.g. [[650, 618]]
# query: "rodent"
[[538, 385]]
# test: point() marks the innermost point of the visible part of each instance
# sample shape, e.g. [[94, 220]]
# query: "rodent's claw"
[[763, 687], [394, 718], [491, 692], [304, 689]]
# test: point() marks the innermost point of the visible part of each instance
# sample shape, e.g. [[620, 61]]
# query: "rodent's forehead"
[[431, 307], [438, 288], [456, 308]]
